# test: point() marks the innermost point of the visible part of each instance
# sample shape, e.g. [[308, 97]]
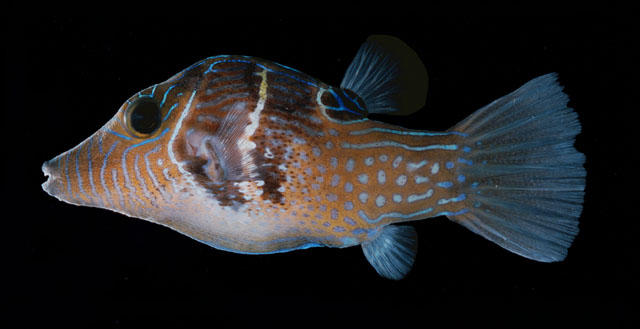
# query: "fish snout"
[[63, 177], [72, 176]]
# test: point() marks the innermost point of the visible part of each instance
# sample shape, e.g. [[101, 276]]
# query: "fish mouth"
[[52, 184]]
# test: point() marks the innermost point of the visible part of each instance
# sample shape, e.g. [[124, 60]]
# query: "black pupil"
[[145, 116]]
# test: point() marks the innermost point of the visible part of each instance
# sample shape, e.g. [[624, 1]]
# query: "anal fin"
[[393, 251]]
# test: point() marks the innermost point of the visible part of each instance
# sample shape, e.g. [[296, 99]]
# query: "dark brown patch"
[[290, 111], [354, 98]]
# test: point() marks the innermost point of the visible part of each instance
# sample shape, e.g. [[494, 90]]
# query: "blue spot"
[[465, 161], [461, 178], [338, 229], [466, 149], [445, 184], [474, 185], [349, 221], [358, 231], [449, 165]]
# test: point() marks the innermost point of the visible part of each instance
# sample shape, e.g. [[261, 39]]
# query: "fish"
[[254, 157]]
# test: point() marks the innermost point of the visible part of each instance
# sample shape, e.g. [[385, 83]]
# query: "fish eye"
[[143, 117]]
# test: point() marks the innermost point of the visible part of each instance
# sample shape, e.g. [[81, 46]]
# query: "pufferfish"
[[249, 156]]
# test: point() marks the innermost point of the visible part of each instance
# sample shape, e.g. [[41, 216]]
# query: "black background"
[[84, 267]]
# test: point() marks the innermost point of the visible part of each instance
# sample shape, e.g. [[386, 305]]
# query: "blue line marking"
[[120, 122], [184, 72], [363, 215], [465, 161], [284, 66], [119, 135], [290, 76], [302, 246], [450, 213], [66, 171], [78, 174], [210, 69], [100, 144], [164, 98], [340, 103], [404, 132], [340, 109], [231, 69], [352, 100], [154, 90], [149, 140], [451, 147], [459, 198], [89, 158], [287, 90], [93, 186], [104, 161], [171, 109]]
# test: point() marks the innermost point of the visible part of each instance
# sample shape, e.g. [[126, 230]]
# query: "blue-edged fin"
[[524, 179], [393, 251], [388, 75]]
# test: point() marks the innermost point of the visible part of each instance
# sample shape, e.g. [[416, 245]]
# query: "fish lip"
[[45, 170], [49, 184]]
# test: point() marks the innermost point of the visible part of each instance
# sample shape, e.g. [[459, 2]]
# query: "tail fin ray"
[[527, 180]]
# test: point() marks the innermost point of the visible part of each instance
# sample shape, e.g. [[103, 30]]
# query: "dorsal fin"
[[388, 75]]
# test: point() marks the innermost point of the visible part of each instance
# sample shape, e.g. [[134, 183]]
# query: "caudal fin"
[[525, 178]]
